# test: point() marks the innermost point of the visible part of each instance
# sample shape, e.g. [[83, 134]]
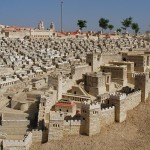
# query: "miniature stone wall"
[[123, 103], [107, 116], [18, 144], [37, 135], [73, 127], [133, 100]]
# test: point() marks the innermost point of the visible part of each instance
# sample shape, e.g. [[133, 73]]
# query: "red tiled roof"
[[64, 104], [18, 28]]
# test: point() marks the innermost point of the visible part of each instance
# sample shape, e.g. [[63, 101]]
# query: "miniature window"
[[124, 59], [95, 112], [84, 111]]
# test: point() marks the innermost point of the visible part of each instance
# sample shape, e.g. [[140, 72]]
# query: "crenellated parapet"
[[18, 143], [118, 96], [90, 105], [108, 108], [135, 93], [142, 75], [74, 122]]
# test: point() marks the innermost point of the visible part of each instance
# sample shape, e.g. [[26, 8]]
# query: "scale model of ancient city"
[[56, 84]]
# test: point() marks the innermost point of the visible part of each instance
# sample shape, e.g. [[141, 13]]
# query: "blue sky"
[[29, 12]]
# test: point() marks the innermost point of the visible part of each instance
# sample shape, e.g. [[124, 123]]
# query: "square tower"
[[94, 83], [91, 113], [56, 126], [94, 60], [142, 83]]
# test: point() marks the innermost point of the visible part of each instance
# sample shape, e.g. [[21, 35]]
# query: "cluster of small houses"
[[71, 86]]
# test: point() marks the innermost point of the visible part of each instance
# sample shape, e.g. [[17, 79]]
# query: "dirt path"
[[133, 134]]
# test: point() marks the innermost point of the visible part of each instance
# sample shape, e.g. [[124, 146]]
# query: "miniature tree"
[[118, 30], [126, 23], [135, 28], [110, 27], [103, 23], [82, 24]]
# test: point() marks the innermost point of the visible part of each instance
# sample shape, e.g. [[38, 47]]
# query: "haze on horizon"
[[29, 12]]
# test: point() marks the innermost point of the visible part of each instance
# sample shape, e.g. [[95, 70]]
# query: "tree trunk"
[[102, 31]]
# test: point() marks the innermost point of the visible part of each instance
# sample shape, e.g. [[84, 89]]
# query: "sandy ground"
[[133, 134]]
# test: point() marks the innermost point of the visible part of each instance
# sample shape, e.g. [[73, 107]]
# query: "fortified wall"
[[73, 127], [107, 115], [18, 144], [123, 103]]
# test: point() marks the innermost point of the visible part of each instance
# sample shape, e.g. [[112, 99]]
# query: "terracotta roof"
[[64, 104], [19, 27]]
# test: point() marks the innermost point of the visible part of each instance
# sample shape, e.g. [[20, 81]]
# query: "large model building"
[[94, 83]]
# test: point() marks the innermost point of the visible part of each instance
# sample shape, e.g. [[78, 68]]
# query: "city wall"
[[133, 100], [107, 116], [18, 144], [37, 135], [123, 103], [73, 127]]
